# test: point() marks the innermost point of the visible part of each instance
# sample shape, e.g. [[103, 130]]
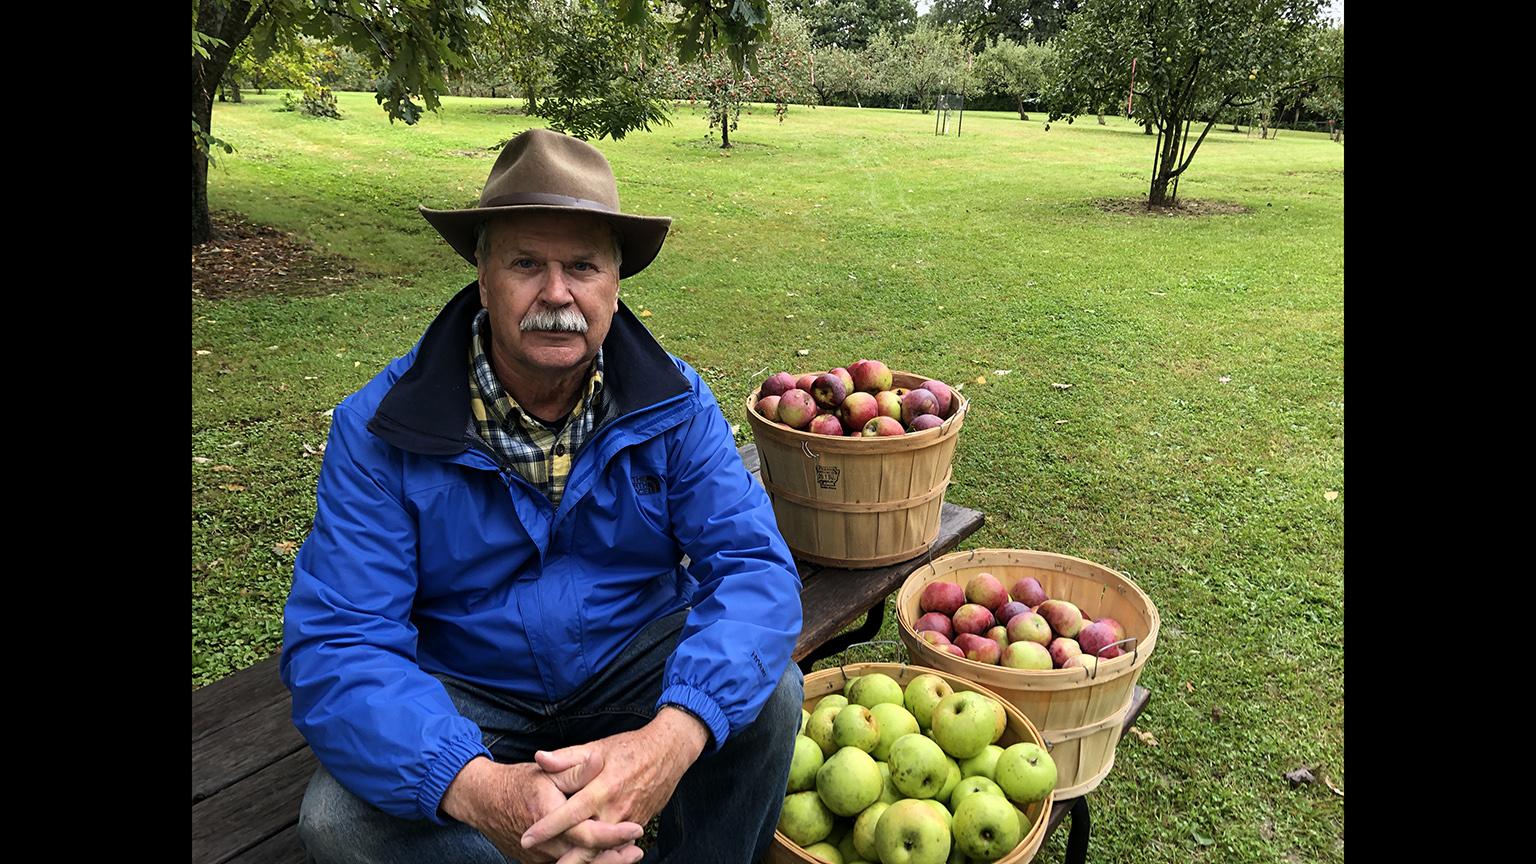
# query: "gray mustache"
[[564, 319]]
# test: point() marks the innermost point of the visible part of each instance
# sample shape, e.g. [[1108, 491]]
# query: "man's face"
[[551, 285]]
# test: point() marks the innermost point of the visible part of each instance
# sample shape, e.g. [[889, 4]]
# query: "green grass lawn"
[[1199, 449]]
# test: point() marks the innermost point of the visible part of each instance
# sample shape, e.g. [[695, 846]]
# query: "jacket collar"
[[427, 409]]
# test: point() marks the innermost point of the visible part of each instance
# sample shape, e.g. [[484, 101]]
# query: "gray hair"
[[483, 242]]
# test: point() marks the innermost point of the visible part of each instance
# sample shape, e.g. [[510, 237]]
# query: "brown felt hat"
[[544, 171]]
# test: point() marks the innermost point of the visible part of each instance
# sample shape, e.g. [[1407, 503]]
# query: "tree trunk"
[[1165, 164], [725, 134], [1101, 118], [232, 24], [1146, 128], [1022, 115]]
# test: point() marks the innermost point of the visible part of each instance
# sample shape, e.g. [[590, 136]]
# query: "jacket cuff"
[[700, 705], [440, 773]]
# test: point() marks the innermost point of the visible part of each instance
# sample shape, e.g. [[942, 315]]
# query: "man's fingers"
[[560, 820], [603, 835], [573, 779], [630, 854], [556, 761]]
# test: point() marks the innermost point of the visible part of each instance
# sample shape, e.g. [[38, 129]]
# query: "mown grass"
[[1195, 450]]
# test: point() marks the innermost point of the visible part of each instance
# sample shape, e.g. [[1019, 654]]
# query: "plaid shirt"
[[541, 454]]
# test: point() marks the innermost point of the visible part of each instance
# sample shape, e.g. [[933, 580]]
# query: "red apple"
[[1006, 611], [871, 376], [1029, 627], [827, 424], [796, 408], [998, 634], [857, 410], [941, 596], [1028, 591], [807, 381], [847, 379], [973, 618], [828, 391], [1096, 638], [1118, 627], [986, 590], [937, 622], [955, 650], [888, 404], [978, 648], [934, 638], [926, 421], [941, 394], [768, 406], [777, 383], [881, 427], [1063, 649], [1064, 617], [917, 403]]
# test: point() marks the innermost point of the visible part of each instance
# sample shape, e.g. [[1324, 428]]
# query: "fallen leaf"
[[356, 363], [1299, 776], [311, 377], [645, 313], [203, 353], [201, 460], [1059, 422], [1330, 495], [803, 352], [1158, 293], [1189, 687], [223, 468], [284, 548], [1001, 371], [1061, 386], [791, 315], [1225, 379], [1217, 713], [234, 487], [981, 379], [1336, 790], [1146, 737]]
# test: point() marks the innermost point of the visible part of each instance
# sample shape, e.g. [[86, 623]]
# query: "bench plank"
[[836, 598], [284, 848], [245, 746], [252, 811], [234, 697]]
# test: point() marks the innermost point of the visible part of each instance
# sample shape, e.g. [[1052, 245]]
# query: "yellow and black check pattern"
[[541, 454]]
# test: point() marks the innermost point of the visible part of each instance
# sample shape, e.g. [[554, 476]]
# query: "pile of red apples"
[[857, 401], [1018, 626]]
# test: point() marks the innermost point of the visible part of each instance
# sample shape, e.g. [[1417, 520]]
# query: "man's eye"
[[582, 266], [523, 263]]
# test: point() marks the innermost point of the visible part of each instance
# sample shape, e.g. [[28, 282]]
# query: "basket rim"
[[1126, 664]]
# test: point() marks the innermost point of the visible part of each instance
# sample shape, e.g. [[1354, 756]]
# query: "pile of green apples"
[[911, 775]]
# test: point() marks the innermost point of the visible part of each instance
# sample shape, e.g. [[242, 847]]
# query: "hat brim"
[[640, 237]]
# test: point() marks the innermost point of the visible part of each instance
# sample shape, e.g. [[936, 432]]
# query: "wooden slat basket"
[[1079, 716], [827, 681], [857, 502]]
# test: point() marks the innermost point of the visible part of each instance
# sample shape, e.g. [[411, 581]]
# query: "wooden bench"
[[250, 766]]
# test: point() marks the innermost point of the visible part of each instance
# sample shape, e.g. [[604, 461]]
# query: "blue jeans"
[[724, 809]]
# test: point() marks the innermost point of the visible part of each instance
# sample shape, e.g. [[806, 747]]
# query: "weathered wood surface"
[[250, 766]]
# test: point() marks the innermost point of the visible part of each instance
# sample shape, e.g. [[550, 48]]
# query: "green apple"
[[973, 786], [951, 780], [825, 852], [983, 764], [849, 781], [805, 819], [848, 685], [840, 829], [940, 809], [909, 832], [1026, 773], [986, 827], [922, 694], [831, 701], [888, 793], [805, 717], [1002, 720], [918, 766], [864, 830], [819, 728], [874, 689], [895, 721], [1025, 823], [846, 848], [963, 723], [1026, 655], [854, 726], [804, 764]]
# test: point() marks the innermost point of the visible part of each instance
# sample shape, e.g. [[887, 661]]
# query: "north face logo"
[[646, 484]]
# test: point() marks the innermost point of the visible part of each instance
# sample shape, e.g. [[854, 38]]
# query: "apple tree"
[[929, 61], [1188, 53], [1017, 71]]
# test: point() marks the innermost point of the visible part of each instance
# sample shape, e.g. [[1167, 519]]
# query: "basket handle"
[[805, 446], [1098, 656]]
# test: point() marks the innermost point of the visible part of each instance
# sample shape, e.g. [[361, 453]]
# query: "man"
[[492, 645]]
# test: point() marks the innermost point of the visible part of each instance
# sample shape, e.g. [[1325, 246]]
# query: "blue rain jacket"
[[427, 556]]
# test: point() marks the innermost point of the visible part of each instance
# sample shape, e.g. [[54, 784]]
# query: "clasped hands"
[[586, 804]]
